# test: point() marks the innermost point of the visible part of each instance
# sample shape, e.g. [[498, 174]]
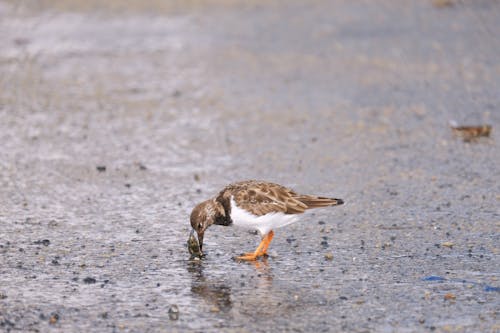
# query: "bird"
[[256, 205]]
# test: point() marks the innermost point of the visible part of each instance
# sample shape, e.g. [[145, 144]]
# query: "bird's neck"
[[223, 213]]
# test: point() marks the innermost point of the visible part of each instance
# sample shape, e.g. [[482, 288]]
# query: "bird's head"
[[203, 216]]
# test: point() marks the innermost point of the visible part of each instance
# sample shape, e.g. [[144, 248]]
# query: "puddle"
[[485, 287]]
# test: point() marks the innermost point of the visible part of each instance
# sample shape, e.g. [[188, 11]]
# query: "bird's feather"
[[261, 198]]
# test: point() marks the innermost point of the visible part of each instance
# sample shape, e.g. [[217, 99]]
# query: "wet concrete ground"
[[115, 120]]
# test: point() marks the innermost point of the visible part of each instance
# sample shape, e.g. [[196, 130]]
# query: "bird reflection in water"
[[216, 294]]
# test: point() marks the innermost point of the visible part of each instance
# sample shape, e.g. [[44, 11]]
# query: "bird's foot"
[[251, 256], [261, 250], [248, 257]]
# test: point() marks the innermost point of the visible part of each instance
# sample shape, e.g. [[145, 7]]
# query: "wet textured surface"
[[116, 120]]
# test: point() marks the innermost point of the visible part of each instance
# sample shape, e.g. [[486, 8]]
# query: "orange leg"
[[261, 249], [269, 238]]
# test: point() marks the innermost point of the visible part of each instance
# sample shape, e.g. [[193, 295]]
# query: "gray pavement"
[[116, 118]]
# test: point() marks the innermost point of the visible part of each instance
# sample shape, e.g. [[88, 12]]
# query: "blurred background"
[[117, 117]]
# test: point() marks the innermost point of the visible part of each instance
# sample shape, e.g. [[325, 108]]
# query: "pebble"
[[386, 245], [89, 280], [44, 242], [173, 312], [450, 297], [101, 168], [53, 318], [329, 256], [448, 244]]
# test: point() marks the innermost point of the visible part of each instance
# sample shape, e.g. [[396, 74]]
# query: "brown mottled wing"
[[261, 198]]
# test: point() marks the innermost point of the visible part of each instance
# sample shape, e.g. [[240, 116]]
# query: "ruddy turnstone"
[[257, 205]]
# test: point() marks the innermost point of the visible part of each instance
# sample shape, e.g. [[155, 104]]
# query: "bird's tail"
[[314, 202]]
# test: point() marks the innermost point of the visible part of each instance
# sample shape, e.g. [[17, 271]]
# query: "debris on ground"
[[442, 3], [448, 244], [450, 297], [471, 133]]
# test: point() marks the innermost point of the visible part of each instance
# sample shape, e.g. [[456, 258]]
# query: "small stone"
[[329, 256], [101, 168], [53, 318], [173, 312], [450, 297], [447, 244], [89, 280], [214, 309], [44, 242]]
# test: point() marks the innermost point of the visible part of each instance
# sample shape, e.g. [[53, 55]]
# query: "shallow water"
[[175, 100]]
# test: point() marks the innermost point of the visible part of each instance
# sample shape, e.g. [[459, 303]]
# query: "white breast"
[[263, 223]]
